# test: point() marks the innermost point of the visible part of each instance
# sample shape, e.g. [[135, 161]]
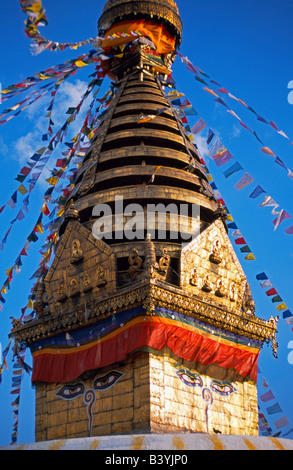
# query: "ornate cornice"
[[149, 293]]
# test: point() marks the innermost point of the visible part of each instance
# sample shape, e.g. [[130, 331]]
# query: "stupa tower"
[[145, 320]]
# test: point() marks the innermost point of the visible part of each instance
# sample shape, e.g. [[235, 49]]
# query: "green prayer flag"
[[277, 298]]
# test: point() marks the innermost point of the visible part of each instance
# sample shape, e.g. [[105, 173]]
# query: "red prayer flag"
[[271, 292], [274, 125], [240, 241]]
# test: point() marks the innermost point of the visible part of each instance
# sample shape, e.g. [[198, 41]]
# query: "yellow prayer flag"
[[22, 189], [61, 212], [250, 257], [53, 180], [30, 304], [90, 135], [80, 63], [230, 218], [42, 77], [45, 255], [39, 228], [9, 271], [3, 290], [70, 119], [282, 306]]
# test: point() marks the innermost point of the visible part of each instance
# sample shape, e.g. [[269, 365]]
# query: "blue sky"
[[247, 47]]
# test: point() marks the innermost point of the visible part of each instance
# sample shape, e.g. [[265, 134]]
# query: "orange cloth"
[[163, 41]]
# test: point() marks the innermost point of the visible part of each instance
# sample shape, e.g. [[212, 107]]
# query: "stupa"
[[145, 321]]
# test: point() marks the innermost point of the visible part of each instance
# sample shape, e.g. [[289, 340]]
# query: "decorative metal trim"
[[149, 294]]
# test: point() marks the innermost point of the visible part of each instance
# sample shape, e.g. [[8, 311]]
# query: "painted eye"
[[223, 388], [71, 391], [190, 379], [106, 381]]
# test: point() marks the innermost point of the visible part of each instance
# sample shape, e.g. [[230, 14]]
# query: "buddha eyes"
[[190, 379], [194, 380], [222, 388], [71, 391], [107, 381]]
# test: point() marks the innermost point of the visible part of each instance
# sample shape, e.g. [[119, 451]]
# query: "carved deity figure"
[[164, 264], [73, 287], [76, 252], [215, 256], [232, 292], [87, 285], [220, 288], [207, 285], [194, 278], [135, 263], [100, 277]]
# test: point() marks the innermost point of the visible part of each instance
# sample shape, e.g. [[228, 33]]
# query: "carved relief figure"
[[76, 252], [248, 305], [207, 285], [87, 285], [73, 287], [61, 289], [194, 278], [220, 292], [164, 263], [232, 292], [100, 277], [215, 256], [135, 263]]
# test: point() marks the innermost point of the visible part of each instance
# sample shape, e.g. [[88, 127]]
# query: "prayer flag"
[[242, 124], [240, 241], [222, 158], [261, 276], [219, 100], [277, 298], [250, 257], [271, 292], [233, 169], [210, 136], [267, 396], [267, 151], [257, 192], [289, 230], [266, 283], [211, 91], [287, 314], [233, 114], [282, 216], [269, 201], [281, 423], [198, 126], [280, 162], [232, 226], [274, 409], [260, 118], [281, 307], [255, 134], [22, 189], [273, 125], [245, 249], [245, 180]]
